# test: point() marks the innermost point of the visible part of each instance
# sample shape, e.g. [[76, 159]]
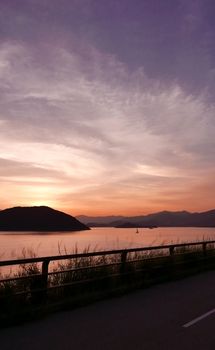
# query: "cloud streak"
[[102, 137]]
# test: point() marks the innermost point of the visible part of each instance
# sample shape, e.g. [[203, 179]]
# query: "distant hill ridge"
[[38, 218], [161, 219]]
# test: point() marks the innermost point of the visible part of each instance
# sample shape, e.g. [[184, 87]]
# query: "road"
[[175, 315]]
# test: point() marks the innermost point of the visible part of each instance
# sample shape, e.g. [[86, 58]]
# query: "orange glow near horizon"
[[110, 199], [101, 204]]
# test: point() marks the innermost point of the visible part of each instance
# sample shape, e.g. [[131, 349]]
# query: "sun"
[[40, 203], [41, 196]]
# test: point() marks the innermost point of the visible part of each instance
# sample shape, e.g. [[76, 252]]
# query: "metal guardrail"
[[123, 260], [45, 259]]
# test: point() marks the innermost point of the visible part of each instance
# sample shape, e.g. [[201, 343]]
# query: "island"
[[38, 218]]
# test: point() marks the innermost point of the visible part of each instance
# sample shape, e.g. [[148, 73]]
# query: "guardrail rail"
[[39, 283]]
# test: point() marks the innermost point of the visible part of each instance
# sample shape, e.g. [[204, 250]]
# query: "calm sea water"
[[53, 243]]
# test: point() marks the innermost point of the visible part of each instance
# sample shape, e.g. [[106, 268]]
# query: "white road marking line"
[[186, 325]]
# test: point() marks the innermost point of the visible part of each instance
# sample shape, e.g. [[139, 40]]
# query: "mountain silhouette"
[[161, 219], [38, 219]]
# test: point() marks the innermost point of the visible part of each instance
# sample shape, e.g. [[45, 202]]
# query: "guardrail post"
[[41, 296], [40, 284], [171, 250], [204, 248], [45, 270], [123, 261]]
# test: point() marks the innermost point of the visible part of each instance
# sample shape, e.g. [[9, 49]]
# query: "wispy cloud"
[[81, 117]]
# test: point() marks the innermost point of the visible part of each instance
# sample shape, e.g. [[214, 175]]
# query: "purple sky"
[[107, 106]]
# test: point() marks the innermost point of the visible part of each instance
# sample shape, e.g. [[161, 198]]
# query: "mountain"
[[38, 219], [98, 220], [164, 218], [161, 219]]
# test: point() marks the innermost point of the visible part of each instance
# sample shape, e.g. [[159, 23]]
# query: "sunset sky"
[[107, 106]]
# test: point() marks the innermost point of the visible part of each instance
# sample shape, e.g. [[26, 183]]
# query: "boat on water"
[[137, 231]]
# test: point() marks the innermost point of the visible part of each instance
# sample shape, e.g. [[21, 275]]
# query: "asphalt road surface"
[[175, 315]]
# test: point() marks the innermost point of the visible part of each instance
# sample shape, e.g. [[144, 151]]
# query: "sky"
[[107, 107]]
